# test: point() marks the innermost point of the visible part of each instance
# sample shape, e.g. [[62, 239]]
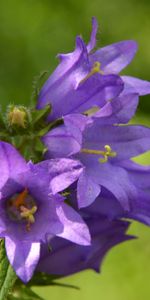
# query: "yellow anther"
[[106, 153], [92, 111], [95, 69], [22, 207], [109, 151], [28, 213]]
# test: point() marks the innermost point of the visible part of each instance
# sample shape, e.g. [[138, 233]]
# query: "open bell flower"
[[102, 149], [85, 79], [29, 213]]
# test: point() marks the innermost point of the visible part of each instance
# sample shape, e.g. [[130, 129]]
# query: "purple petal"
[[140, 208], [92, 41], [76, 121], [138, 174], [61, 143], [67, 258], [95, 91], [23, 256], [54, 175], [62, 83], [87, 190], [115, 57], [63, 173], [126, 141], [135, 85], [119, 110], [66, 140], [112, 177], [74, 228], [11, 162], [107, 205]]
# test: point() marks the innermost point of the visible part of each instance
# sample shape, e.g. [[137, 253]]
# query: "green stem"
[[8, 283], [7, 274]]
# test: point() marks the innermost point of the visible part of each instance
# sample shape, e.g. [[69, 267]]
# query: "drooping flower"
[[29, 213], [84, 80], [66, 258], [102, 149]]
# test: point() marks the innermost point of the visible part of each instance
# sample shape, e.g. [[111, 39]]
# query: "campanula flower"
[[102, 149], [29, 213], [85, 79]]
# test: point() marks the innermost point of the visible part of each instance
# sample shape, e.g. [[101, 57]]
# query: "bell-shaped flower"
[[102, 149], [86, 80], [29, 212]]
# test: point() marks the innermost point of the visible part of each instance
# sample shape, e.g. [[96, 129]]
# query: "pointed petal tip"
[[96, 269], [23, 257], [80, 43], [92, 41], [94, 23]]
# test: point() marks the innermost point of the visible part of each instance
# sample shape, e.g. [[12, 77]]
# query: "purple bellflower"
[[66, 258], [85, 80], [29, 213], [89, 150], [102, 148], [105, 228]]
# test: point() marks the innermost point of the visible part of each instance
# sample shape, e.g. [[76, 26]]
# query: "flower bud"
[[17, 115]]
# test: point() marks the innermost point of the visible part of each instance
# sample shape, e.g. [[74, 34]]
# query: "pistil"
[[108, 152], [95, 69], [20, 199], [28, 214], [22, 207]]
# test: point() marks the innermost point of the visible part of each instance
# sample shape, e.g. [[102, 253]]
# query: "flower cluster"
[[62, 210]]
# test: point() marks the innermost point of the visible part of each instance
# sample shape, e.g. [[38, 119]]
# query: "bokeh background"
[[32, 32]]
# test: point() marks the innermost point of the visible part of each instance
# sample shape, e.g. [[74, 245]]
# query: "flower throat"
[[22, 208]]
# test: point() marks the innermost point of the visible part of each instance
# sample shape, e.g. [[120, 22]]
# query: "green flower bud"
[[17, 115]]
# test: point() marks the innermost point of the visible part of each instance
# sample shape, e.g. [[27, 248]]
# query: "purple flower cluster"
[[75, 198]]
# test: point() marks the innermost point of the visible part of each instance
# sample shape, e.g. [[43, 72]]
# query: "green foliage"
[[23, 128], [36, 85], [39, 116], [7, 274]]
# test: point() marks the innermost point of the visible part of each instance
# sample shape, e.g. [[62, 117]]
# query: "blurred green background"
[[32, 32]]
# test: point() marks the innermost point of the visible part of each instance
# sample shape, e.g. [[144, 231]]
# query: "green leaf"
[[43, 131], [50, 126], [37, 83], [40, 115], [7, 274], [2, 123], [4, 135]]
